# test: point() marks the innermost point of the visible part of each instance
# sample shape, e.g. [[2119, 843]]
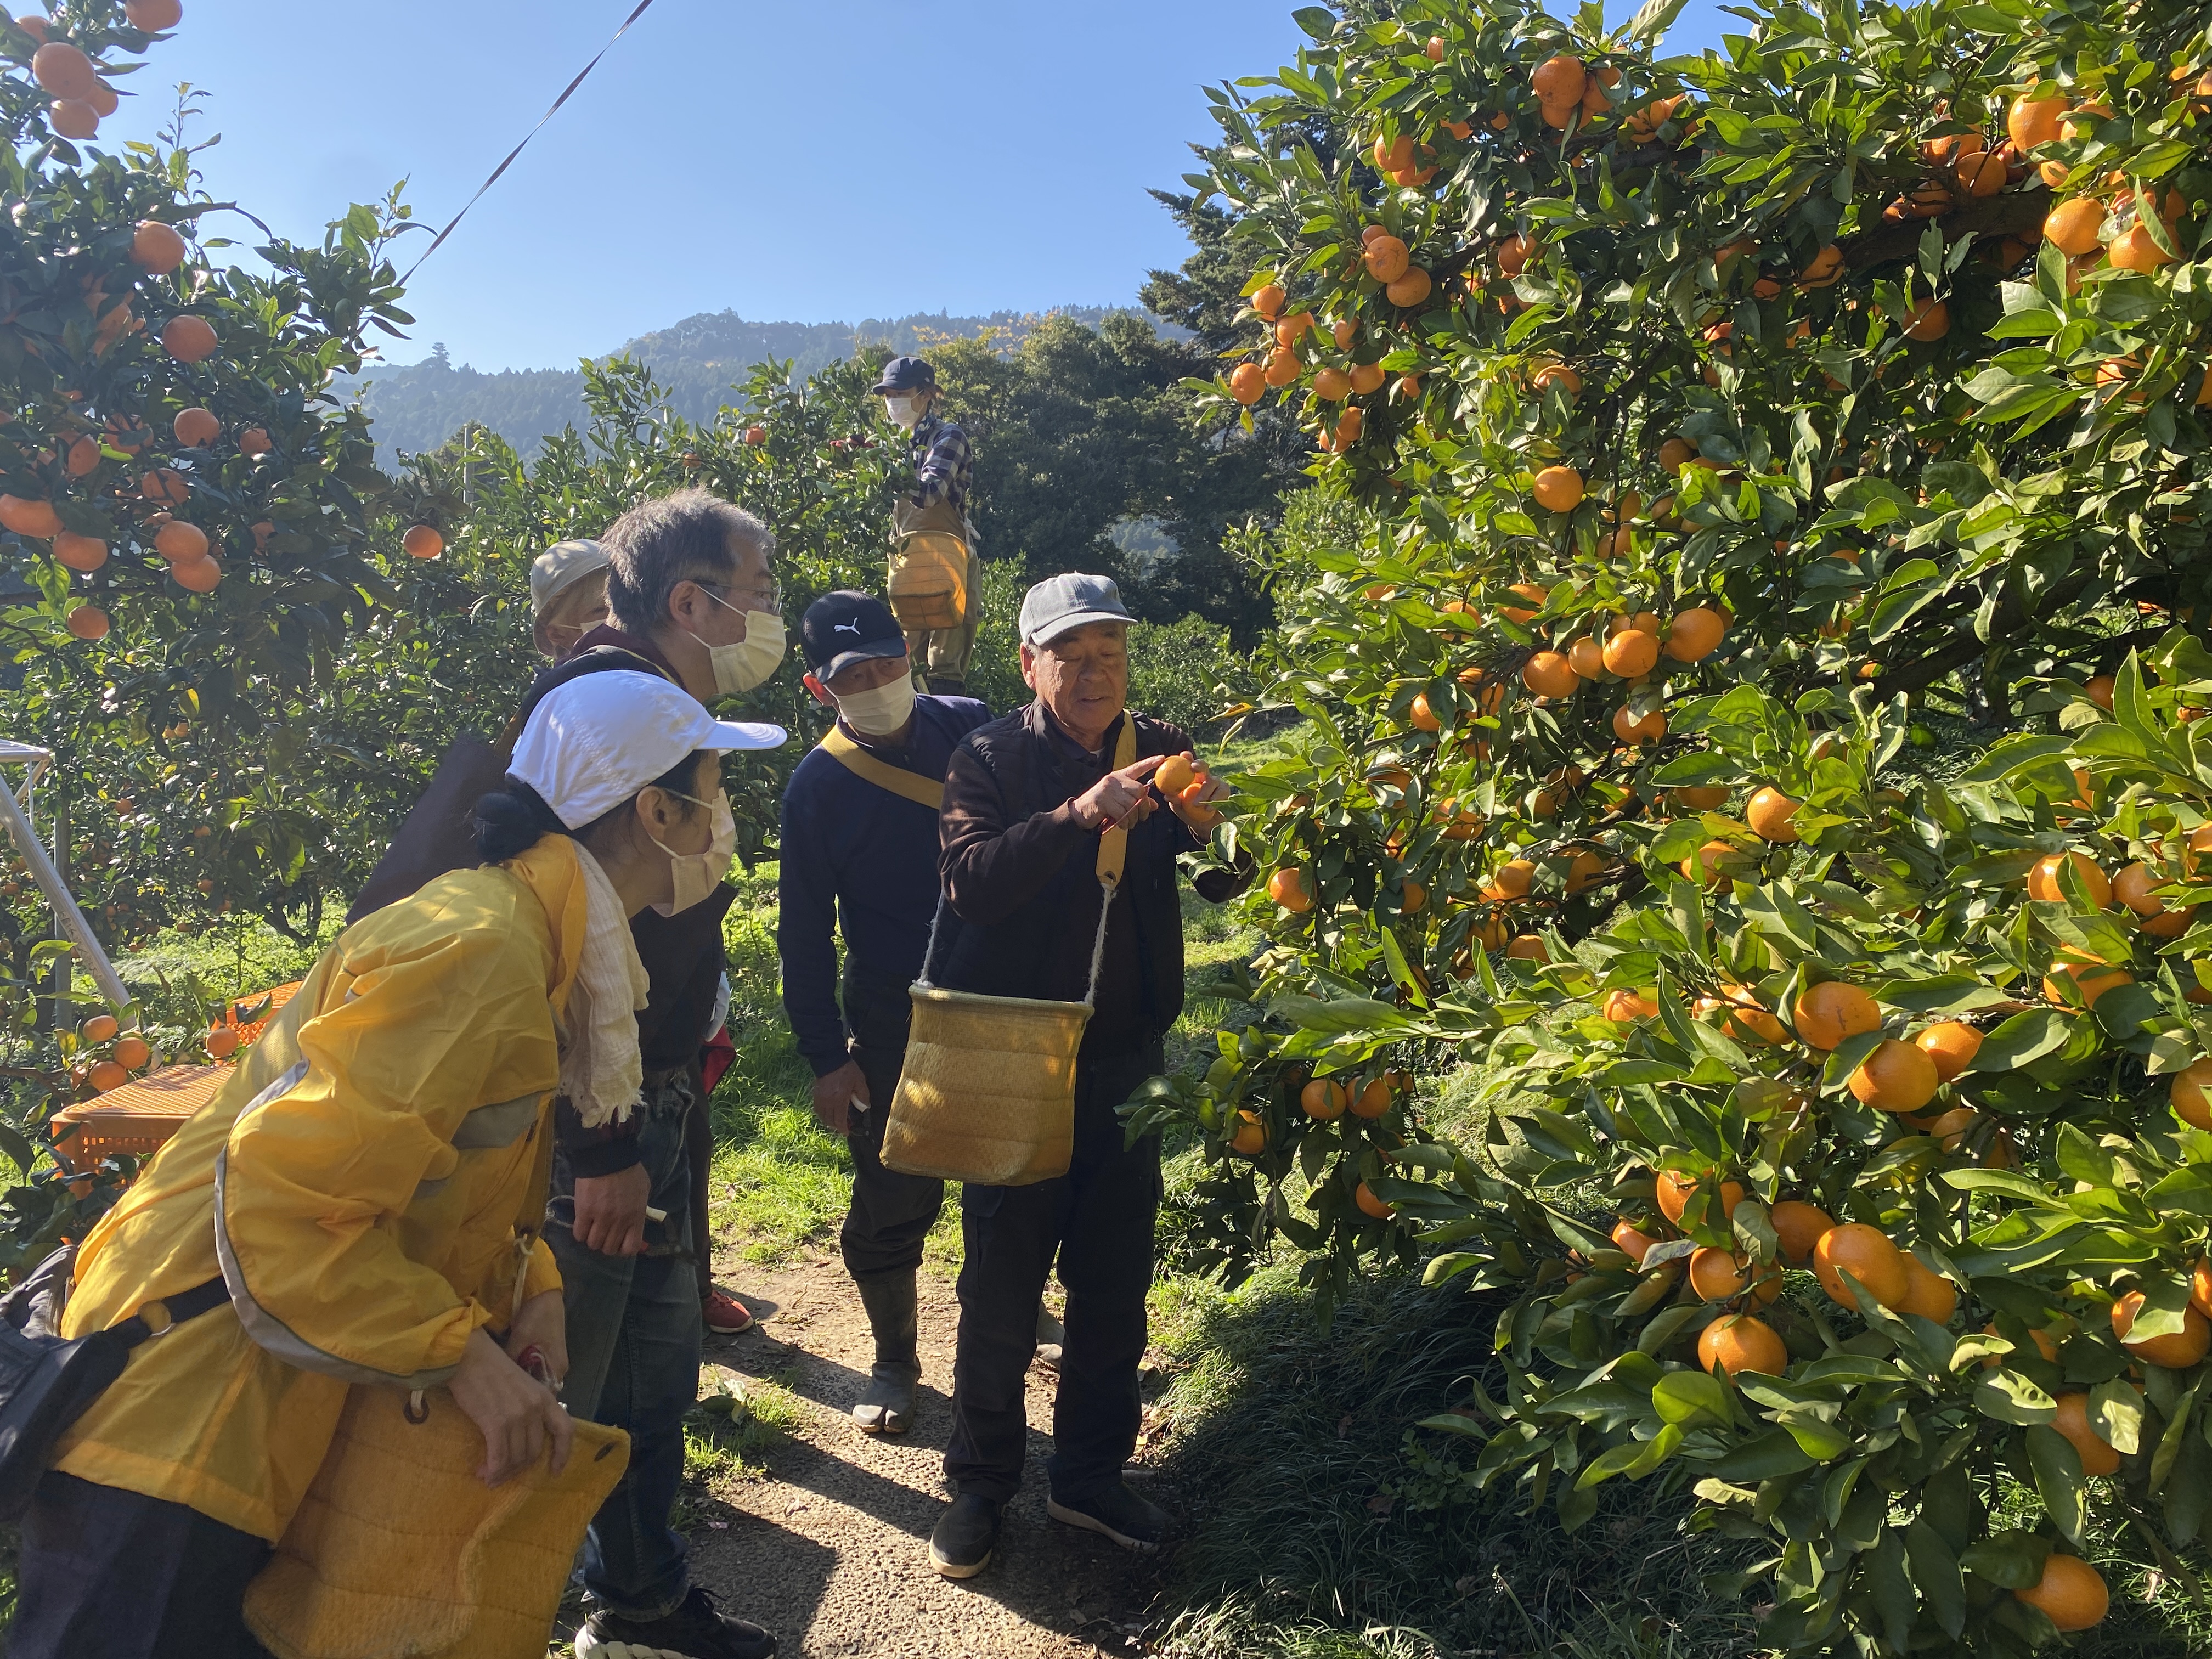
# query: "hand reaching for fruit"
[[1185, 784]]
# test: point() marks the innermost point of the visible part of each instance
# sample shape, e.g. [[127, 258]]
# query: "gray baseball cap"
[[557, 570], [1060, 604]]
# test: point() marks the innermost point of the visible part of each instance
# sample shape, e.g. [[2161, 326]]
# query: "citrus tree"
[[1720, 424]]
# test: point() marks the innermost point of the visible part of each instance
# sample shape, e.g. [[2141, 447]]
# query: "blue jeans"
[[634, 1341]]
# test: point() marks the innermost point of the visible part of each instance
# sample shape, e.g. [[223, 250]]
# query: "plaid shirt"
[[944, 465]]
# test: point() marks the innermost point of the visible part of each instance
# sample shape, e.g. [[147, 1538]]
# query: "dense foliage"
[[1719, 424]]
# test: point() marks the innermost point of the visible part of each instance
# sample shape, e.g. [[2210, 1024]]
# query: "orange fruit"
[[1701, 798], [1422, 716], [133, 1052], [1556, 374], [1374, 1097], [422, 542], [1797, 1228], [1366, 378], [1586, 658], [1631, 652], [1515, 877], [81, 457], [1559, 79], [1771, 815], [87, 622], [1549, 674], [1332, 385], [1980, 175], [1248, 384], [1175, 774], [1410, 289], [1951, 1045], [1745, 1019], [1250, 1138], [1323, 1098], [197, 575], [1741, 1343], [1695, 634], [1895, 1077], [1626, 1007], [176, 541], [1386, 258], [2134, 887], [1928, 319], [166, 486], [1289, 331], [108, 1074], [155, 246], [1630, 1240], [2134, 249], [1717, 1275], [1709, 857], [2033, 121], [2200, 1287], [1528, 947], [1674, 1196], [189, 339], [198, 428], [2088, 977], [63, 70], [2187, 1094], [1584, 871], [1370, 1204], [75, 552], [1290, 889], [1269, 300], [2098, 1456], [1828, 1012], [2071, 1593], [1558, 487], [2177, 1351], [222, 1042], [1630, 729], [30, 518], [1927, 1292], [1868, 1255], [2046, 1345], [2072, 226], [101, 1028], [1282, 366]]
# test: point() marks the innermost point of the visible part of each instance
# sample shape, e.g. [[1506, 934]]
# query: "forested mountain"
[[418, 406]]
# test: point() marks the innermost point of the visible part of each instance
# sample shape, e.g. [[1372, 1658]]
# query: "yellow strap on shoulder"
[[1114, 845], [862, 765]]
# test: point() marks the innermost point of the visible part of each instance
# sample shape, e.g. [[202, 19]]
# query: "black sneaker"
[[960, 1543], [694, 1630], [1117, 1512]]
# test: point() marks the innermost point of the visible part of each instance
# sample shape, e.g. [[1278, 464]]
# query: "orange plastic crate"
[[137, 1118], [276, 999]]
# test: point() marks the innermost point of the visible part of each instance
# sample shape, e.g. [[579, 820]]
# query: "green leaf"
[[2057, 1468], [2009, 1397], [1776, 1453], [2025, 1036], [2007, 1559], [1935, 1573], [1690, 1398], [2115, 1412]]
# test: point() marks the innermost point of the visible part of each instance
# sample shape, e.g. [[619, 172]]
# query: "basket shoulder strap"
[[1114, 845], [863, 765]]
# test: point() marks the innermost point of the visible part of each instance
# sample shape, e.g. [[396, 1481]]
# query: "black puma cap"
[[847, 626]]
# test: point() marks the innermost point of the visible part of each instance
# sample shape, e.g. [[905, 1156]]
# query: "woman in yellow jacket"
[[356, 1187]]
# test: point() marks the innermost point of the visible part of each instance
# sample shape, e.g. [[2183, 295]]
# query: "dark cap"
[[906, 374], [843, 627]]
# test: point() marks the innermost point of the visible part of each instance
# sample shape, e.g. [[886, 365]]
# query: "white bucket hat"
[[592, 744]]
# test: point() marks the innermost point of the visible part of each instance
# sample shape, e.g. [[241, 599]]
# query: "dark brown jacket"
[[1021, 875], [682, 954]]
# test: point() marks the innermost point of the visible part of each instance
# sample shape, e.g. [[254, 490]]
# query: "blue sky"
[[881, 157]]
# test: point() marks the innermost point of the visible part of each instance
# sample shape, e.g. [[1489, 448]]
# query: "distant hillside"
[[419, 406]]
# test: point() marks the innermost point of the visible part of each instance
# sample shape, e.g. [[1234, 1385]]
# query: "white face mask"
[[740, 667], [904, 411], [697, 874], [879, 713]]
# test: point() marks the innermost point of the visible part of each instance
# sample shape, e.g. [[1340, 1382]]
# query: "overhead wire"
[[567, 92]]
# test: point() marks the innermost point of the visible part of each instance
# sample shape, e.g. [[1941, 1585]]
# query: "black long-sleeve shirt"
[[858, 857]]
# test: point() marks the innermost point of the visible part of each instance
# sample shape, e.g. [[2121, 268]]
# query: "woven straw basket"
[[988, 1092], [399, 1551]]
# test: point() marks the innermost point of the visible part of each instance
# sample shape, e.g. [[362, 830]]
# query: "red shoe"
[[724, 1314]]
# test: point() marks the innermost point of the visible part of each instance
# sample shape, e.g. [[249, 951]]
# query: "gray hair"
[[691, 536]]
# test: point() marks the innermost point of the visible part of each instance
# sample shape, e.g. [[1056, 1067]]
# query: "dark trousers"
[[1099, 1218], [633, 1350], [110, 1574], [891, 1213]]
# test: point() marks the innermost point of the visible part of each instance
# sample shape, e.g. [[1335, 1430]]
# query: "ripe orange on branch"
[[2071, 1593], [1771, 815], [422, 542], [189, 339], [1797, 1228], [1740, 1342], [1290, 889], [1951, 1045], [1895, 1077], [2176, 1350], [1832, 1011], [1558, 487], [1868, 1255]]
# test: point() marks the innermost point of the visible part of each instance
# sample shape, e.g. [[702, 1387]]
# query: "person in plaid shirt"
[[943, 472]]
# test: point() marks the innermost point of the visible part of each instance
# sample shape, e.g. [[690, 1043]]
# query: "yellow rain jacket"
[[357, 1182]]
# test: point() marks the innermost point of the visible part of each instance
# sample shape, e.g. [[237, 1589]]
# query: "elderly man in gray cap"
[[1026, 798]]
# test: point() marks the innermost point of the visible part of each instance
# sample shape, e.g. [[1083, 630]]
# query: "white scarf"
[[602, 1073]]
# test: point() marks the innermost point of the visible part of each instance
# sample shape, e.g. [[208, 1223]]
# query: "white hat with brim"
[[594, 742]]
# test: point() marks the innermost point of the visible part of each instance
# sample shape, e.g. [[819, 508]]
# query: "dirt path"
[[831, 1551]]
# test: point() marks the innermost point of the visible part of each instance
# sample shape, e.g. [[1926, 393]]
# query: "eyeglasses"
[[771, 597]]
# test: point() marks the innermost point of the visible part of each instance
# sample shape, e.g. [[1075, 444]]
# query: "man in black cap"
[[860, 851], [933, 515]]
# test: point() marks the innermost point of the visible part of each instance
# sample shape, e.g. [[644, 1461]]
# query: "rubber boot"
[[887, 1405], [1050, 1338]]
